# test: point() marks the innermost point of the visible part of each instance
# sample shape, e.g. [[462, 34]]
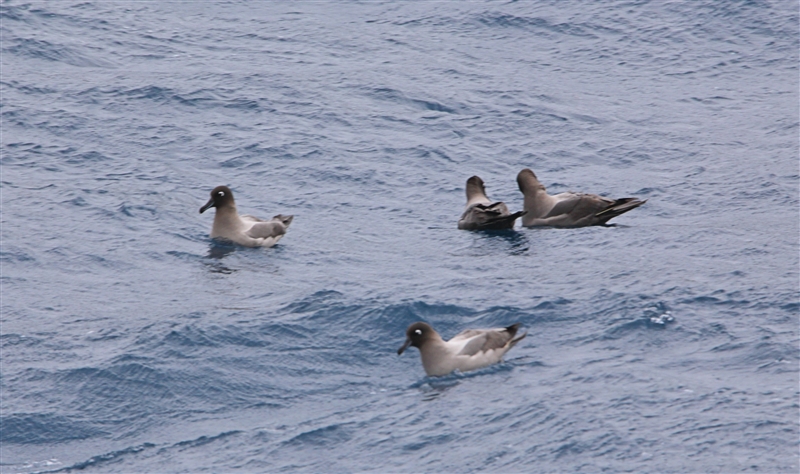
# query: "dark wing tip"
[[513, 328]]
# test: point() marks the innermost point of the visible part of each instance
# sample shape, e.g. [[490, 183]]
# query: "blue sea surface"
[[132, 342]]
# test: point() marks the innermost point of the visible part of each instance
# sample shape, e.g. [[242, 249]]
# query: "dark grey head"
[[475, 187], [221, 196], [416, 335]]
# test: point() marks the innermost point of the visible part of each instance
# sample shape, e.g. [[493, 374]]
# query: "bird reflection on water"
[[216, 252], [516, 242]]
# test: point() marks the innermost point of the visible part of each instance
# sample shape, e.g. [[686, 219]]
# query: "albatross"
[[468, 350], [483, 214], [244, 230], [567, 209]]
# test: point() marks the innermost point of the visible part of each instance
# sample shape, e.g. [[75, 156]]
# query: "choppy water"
[[132, 343]]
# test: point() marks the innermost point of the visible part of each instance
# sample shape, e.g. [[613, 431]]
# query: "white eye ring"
[[221, 193], [418, 332]]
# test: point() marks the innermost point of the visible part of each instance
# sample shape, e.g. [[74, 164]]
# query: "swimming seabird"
[[243, 230], [483, 214], [468, 350], [567, 209]]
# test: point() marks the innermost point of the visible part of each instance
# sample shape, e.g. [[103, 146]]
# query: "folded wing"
[[485, 340], [579, 209], [272, 229], [264, 230]]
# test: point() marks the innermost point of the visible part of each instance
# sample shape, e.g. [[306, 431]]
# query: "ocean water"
[[131, 342]]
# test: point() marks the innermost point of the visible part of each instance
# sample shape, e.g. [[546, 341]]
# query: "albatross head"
[[475, 188], [221, 196], [416, 335]]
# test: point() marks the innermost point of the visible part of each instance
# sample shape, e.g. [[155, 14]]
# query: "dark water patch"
[[44, 428], [89, 158], [104, 334], [714, 329], [548, 305], [45, 50], [77, 201], [770, 352], [9, 340], [589, 119], [189, 336], [12, 254], [716, 298], [316, 302], [138, 211], [28, 89], [197, 99], [26, 145], [793, 307], [15, 12], [429, 441], [397, 97], [17, 120], [202, 440], [327, 436], [729, 346], [104, 461], [240, 162], [159, 95], [132, 358], [68, 19], [115, 177], [534, 25], [243, 104]]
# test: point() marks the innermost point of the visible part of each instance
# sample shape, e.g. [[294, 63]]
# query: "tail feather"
[[502, 222], [620, 206]]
